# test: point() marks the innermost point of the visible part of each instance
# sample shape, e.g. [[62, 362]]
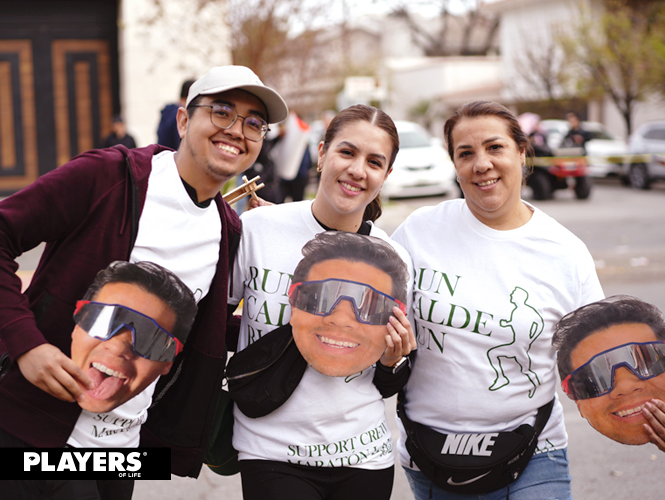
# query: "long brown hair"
[[374, 116]]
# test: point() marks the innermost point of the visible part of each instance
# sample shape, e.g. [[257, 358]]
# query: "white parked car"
[[422, 166], [646, 162], [604, 151]]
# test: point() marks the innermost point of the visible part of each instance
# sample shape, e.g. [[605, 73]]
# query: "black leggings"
[[267, 480]]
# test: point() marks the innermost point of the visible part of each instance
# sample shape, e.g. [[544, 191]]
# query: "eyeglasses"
[[254, 128], [149, 340], [595, 378], [321, 297]]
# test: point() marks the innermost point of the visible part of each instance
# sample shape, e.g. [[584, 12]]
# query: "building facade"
[[68, 66]]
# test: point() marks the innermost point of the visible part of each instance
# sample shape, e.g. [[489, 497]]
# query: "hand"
[[400, 340], [255, 201], [49, 369], [654, 412]]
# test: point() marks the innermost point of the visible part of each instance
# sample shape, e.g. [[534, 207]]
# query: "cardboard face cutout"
[[618, 414], [343, 295], [338, 344], [117, 372]]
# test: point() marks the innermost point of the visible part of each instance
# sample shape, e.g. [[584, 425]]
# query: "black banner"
[[85, 463]]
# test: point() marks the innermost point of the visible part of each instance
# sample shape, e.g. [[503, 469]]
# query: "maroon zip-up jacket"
[[87, 212]]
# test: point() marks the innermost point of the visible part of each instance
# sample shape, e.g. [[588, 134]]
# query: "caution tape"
[[554, 161]]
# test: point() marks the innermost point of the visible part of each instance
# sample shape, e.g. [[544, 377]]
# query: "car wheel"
[[639, 177], [582, 187], [540, 184]]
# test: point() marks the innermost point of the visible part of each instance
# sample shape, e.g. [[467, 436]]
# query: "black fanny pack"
[[263, 376], [472, 463]]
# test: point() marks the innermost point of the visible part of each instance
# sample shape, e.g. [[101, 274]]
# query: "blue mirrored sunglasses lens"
[[321, 297], [149, 340], [595, 378]]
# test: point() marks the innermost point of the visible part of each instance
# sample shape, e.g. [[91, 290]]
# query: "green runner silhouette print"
[[522, 314]]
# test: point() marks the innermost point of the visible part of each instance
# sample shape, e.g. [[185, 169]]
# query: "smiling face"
[[353, 170], [489, 169], [117, 372], [573, 120], [618, 414], [339, 345], [209, 156]]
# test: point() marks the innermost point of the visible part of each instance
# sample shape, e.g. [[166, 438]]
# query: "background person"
[[125, 305], [167, 130], [318, 131], [493, 276], [144, 204], [530, 123], [330, 439], [265, 169], [119, 135], [612, 364], [576, 136], [291, 157]]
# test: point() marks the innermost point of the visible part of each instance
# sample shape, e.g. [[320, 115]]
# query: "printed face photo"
[[117, 372], [618, 414], [337, 344]]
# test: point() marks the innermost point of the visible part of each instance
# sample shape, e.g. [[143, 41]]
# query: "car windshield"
[[599, 134], [657, 134], [413, 139]]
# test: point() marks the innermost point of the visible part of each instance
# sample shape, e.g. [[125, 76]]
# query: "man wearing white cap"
[[224, 138], [145, 204]]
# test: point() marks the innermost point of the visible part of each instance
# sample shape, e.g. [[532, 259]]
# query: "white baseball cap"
[[224, 78]]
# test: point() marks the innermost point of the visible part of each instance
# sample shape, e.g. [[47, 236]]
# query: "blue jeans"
[[545, 478]]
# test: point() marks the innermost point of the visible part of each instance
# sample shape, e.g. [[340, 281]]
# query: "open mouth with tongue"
[[107, 381]]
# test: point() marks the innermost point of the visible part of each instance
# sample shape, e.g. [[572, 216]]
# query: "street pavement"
[[625, 231]]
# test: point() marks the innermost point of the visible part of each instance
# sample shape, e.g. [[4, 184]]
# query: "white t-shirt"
[[182, 237], [176, 233], [327, 422], [342, 418], [115, 429], [485, 305], [268, 253]]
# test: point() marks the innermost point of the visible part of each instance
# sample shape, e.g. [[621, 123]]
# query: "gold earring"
[[318, 168]]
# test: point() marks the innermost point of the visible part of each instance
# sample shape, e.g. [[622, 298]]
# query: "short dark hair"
[[355, 247], [156, 280], [374, 116], [615, 310], [184, 90], [478, 109]]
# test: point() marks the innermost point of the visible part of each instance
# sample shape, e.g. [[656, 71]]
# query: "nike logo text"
[[469, 444]]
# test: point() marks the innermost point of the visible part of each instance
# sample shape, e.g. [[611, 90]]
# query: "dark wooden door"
[[58, 83]]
